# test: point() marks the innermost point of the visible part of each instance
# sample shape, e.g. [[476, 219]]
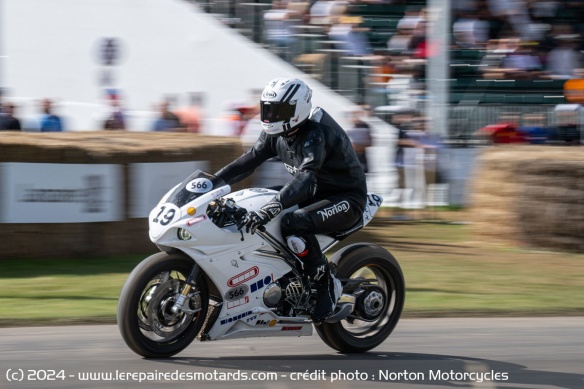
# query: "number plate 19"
[[162, 216]]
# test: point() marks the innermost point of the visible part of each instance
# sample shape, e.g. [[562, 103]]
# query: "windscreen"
[[194, 186]]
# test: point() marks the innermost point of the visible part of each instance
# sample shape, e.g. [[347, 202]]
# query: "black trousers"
[[324, 216]]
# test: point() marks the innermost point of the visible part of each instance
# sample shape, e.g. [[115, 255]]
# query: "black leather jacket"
[[319, 156]]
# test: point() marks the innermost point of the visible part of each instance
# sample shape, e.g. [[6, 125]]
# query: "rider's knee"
[[295, 223]]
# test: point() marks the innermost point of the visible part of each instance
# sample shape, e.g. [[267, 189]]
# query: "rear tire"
[[378, 306], [145, 321]]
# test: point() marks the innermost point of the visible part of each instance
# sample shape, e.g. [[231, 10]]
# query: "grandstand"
[[360, 79]]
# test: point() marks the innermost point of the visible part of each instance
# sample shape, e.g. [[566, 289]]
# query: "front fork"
[[183, 297]]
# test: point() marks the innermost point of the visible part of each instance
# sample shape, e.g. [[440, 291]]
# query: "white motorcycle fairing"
[[245, 269]]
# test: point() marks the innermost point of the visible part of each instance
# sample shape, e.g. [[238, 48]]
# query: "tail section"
[[373, 203]]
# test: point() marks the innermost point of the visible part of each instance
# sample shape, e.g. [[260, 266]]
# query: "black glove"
[[258, 218]]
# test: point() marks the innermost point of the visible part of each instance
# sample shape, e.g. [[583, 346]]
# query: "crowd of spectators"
[[522, 39], [511, 39], [166, 115]]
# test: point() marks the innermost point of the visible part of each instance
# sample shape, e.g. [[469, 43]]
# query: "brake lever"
[[236, 215]]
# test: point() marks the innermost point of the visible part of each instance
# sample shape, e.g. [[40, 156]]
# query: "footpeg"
[[342, 312]]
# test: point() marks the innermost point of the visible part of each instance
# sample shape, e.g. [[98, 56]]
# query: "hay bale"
[[530, 195], [106, 147]]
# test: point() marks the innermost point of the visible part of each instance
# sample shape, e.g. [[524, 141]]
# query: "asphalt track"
[[503, 353]]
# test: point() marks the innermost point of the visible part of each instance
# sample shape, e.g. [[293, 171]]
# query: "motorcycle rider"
[[328, 183]]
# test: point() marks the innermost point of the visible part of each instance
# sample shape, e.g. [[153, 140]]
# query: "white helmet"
[[285, 104]]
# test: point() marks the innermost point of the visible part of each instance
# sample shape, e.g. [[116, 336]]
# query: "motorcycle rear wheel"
[[379, 304], [146, 322]]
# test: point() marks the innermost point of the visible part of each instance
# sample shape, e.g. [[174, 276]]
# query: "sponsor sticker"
[[374, 199], [235, 318], [238, 303], [267, 323], [261, 283], [196, 220], [243, 277], [291, 328]]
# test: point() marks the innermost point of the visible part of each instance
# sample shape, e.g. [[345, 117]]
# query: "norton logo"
[[343, 206], [270, 94], [243, 276]]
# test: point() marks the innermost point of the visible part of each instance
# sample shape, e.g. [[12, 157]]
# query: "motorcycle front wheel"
[[376, 280], [146, 319]]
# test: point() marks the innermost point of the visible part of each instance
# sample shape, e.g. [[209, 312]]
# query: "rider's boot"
[[328, 292]]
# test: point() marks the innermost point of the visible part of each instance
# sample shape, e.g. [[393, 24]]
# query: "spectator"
[[510, 17], [324, 12], [412, 17], [360, 137], [497, 50], [400, 42], [421, 162], [567, 124], [523, 63], [564, 59], [470, 31], [191, 116], [402, 121], [277, 29], [354, 42], [167, 121], [234, 119], [418, 45], [49, 121], [8, 122], [116, 119], [351, 39]]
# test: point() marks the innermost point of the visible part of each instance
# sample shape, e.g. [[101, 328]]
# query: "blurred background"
[[418, 85], [460, 111]]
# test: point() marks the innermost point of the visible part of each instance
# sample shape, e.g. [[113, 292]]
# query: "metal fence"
[[465, 120]]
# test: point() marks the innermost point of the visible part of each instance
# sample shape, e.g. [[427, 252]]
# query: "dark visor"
[[276, 112]]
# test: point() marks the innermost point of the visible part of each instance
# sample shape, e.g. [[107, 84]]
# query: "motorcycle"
[[213, 281]]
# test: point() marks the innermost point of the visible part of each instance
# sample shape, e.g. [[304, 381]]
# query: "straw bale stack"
[[530, 195], [116, 147], [107, 147]]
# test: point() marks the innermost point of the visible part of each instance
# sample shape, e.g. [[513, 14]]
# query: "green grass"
[[447, 271], [62, 290]]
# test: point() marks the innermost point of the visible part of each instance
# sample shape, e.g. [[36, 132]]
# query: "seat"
[[340, 235]]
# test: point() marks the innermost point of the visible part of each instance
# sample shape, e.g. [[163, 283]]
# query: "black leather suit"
[[328, 182]]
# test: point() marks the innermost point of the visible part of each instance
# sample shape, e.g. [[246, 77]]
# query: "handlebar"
[[225, 212]]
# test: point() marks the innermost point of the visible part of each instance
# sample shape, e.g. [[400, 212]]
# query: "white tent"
[[56, 48]]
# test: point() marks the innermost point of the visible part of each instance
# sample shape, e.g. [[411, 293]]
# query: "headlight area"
[[183, 234]]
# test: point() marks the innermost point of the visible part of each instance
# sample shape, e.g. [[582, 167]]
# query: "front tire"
[[379, 301], [145, 319]]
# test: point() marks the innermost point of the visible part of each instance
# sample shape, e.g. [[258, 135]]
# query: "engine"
[[284, 295]]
